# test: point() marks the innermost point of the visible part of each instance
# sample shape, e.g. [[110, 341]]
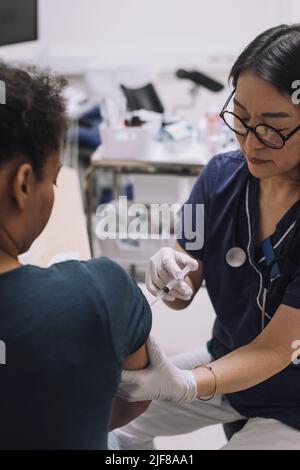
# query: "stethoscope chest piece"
[[236, 257]]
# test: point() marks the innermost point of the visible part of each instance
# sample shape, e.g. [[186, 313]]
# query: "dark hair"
[[274, 56], [33, 118]]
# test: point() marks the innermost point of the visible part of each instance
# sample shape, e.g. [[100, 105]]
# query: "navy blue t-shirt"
[[67, 330], [236, 293]]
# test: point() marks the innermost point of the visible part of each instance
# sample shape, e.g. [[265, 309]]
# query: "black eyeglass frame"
[[248, 129]]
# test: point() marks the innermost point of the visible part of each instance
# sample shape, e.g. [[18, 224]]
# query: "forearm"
[[270, 353], [123, 412], [242, 369]]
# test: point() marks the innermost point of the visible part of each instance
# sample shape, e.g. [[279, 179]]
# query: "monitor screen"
[[18, 21]]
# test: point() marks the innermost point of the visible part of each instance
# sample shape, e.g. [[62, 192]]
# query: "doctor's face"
[[256, 101]]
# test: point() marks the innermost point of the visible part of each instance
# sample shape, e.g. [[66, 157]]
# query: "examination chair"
[[142, 98], [200, 80]]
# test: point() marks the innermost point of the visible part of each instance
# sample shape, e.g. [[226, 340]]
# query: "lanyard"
[[270, 257]]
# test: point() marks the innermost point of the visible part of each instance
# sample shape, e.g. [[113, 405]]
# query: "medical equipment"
[[171, 285], [199, 80], [283, 256], [236, 256], [144, 97], [126, 143], [113, 111]]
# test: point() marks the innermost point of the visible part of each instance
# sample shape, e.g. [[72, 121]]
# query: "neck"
[[280, 189], [8, 262], [8, 251]]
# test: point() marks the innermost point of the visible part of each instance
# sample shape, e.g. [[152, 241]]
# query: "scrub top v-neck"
[[236, 293]]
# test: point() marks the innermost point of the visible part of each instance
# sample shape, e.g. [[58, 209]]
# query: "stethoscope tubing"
[[236, 256]]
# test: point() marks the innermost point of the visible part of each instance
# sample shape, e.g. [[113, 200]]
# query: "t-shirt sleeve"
[[291, 296], [127, 312], [192, 229]]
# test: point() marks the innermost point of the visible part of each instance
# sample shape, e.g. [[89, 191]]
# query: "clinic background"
[[99, 44], [149, 37]]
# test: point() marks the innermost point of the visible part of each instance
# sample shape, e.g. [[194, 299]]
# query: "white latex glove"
[[165, 266], [161, 380]]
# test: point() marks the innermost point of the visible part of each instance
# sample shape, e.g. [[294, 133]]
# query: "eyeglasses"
[[267, 135]]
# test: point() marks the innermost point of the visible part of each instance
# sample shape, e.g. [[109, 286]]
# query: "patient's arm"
[[124, 412]]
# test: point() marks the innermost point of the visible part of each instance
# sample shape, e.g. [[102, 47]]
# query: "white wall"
[[152, 30], [156, 28], [152, 38], [168, 26], [294, 11]]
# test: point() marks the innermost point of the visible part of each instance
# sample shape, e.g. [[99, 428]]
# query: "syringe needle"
[[171, 285]]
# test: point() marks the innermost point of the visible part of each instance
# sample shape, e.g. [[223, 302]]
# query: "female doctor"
[[251, 265]]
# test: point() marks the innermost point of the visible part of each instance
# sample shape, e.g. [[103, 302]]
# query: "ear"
[[22, 184]]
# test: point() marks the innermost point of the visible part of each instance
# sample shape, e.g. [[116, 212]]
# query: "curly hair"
[[33, 118]]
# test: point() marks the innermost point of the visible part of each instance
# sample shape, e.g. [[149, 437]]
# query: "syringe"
[[171, 285]]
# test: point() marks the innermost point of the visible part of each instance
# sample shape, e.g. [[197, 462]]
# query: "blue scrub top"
[[236, 293]]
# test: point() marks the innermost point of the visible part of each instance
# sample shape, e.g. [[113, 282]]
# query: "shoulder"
[[95, 266], [104, 267], [128, 312], [94, 278], [223, 171], [101, 272], [110, 275], [233, 157], [106, 286], [227, 163]]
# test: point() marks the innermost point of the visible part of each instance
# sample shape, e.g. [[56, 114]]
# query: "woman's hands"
[[161, 380], [165, 266]]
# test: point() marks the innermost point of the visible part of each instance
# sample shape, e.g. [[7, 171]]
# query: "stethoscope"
[[236, 256]]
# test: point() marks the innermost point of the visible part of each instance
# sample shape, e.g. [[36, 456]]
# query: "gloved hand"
[[161, 380], [165, 266]]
